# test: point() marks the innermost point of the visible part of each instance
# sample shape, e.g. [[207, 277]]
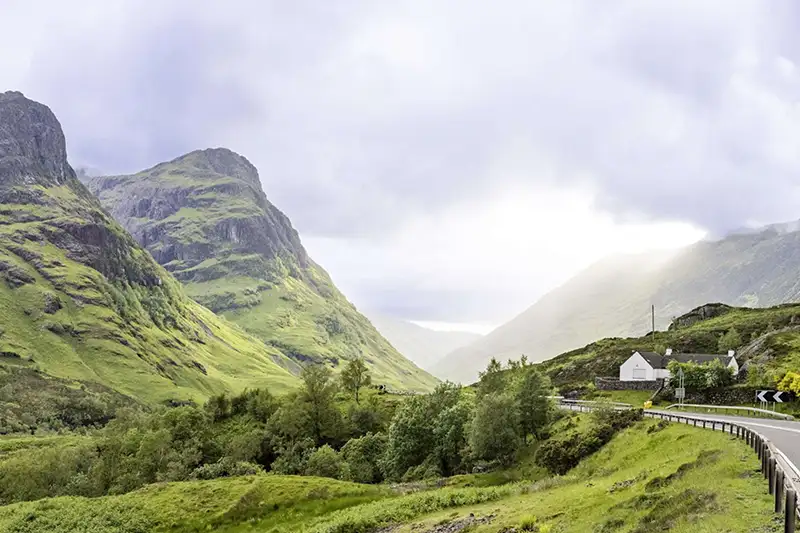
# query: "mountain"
[[422, 345], [613, 297], [206, 219], [82, 303]]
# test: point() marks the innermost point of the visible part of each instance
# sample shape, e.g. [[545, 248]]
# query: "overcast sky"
[[445, 160]]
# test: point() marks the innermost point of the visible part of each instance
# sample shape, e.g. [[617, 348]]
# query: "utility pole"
[[653, 316]]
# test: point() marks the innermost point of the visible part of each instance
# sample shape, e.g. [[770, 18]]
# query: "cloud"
[[370, 120]]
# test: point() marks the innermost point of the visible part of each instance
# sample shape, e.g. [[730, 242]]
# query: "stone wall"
[[616, 384]]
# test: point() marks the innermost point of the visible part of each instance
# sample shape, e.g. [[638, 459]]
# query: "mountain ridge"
[[613, 297], [81, 300], [205, 217]]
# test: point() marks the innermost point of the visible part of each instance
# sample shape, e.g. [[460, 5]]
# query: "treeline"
[[313, 431]]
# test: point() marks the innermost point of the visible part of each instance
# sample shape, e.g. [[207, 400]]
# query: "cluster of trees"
[[327, 428], [701, 377]]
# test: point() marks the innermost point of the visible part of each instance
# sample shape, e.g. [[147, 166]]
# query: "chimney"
[[731, 353], [669, 351]]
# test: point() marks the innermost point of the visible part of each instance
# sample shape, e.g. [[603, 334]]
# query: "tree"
[[533, 406], [410, 437], [326, 462], [318, 393], [354, 376], [494, 434], [363, 456], [492, 380], [450, 436], [730, 341]]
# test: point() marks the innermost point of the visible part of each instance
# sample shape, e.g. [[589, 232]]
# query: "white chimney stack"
[[731, 353], [669, 351]]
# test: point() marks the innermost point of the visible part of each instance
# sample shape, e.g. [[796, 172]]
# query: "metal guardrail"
[[736, 409], [783, 476]]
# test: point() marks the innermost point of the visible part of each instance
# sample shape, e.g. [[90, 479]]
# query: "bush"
[[561, 455], [363, 455], [326, 462], [226, 467], [790, 383]]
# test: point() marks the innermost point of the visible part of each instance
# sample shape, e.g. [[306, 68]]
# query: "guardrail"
[[589, 403], [735, 409], [782, 475]]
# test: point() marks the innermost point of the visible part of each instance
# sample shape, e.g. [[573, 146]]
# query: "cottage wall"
[[636, 368]]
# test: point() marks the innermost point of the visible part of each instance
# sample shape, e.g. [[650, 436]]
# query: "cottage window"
[[639, 373]]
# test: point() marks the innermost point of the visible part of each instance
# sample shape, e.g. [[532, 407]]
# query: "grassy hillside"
[[612, 298], [205, 218], [80, 300], [771, 341], [677, 478]]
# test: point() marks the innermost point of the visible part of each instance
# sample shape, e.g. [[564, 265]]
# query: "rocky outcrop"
[[704, 312], [32, 145]]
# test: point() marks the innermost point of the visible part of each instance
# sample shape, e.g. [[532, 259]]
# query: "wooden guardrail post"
[[790, 510], [780, 478], [771, 474]]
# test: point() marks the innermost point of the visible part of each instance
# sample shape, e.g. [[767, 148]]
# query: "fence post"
[[790, 510], [771, 473], [779, 481]]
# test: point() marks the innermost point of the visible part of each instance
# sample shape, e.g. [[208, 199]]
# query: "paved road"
[[784, 434]]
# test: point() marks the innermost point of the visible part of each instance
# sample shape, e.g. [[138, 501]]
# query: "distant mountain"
[[83, 307], [206, 219], [422, 345], [612, 298]]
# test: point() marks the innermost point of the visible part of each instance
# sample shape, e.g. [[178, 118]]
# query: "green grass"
[[675, 478], [257, 503], [636, 398], [622, 489]]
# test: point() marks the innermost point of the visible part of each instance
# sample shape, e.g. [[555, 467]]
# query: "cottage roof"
[[661, 361]]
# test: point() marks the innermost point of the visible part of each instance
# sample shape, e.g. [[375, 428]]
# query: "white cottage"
[[649, 366]]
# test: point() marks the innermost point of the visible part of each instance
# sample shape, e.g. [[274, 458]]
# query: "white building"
[[649, 366]]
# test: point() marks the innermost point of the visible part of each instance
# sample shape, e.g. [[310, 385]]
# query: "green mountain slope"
[[770, 337], [205, 218], [613, 297], [81, 300]]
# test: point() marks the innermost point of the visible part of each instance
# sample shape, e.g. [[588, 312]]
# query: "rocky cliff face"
[[81, 299], [206, 219]]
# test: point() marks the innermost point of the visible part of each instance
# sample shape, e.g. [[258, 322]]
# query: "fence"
[[781, 474]]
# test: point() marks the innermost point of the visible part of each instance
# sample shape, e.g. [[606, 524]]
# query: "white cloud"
[[513, 244], [444, 159]]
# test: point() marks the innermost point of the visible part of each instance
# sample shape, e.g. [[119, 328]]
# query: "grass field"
[[649, 478]]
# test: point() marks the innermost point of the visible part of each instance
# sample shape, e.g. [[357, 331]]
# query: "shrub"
[[363, 455], [790, 383], [226, 467], [326, 462], [560, 455]]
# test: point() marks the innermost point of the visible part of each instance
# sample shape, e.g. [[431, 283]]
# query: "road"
[[784, 434]]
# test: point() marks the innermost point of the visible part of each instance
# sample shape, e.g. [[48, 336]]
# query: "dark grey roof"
[[653, 359], [661, 361]]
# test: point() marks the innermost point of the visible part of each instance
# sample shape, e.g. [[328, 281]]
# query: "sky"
[[447, 161]]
